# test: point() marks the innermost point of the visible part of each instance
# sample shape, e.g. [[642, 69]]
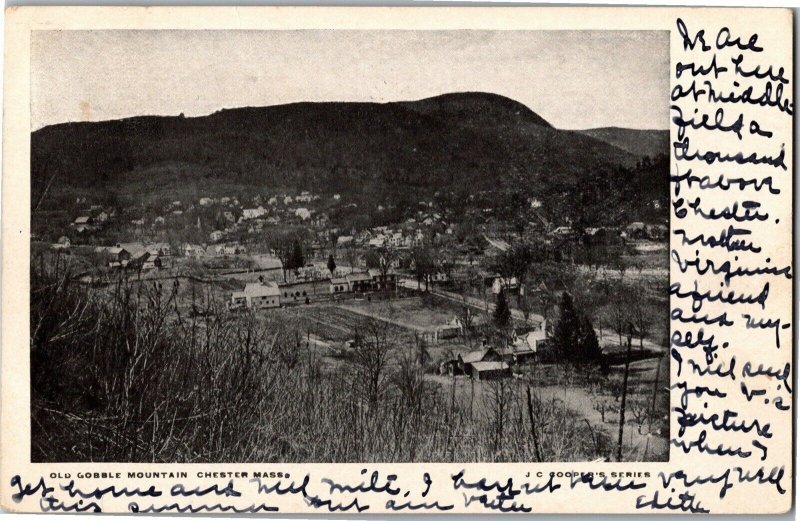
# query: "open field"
[[416, 313]]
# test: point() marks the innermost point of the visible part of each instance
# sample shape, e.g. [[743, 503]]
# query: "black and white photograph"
[[341, 246]]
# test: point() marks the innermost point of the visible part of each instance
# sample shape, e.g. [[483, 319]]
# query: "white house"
[[344, 240], [254, 213], [499, 284], [160, 249], [339, 285], [302, 213], [193, 250], [257, 295]]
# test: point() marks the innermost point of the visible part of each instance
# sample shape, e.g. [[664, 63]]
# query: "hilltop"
[[463, 143]]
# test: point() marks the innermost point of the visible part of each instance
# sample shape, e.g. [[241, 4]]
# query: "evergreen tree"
[[574, 337], [331, 264], [296, 258], [588, 345], [502, 314], [565, 332]]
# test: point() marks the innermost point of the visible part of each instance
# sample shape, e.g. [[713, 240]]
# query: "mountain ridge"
[[458, 142]]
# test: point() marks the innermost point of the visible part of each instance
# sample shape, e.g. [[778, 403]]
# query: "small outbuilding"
[[490, 370]]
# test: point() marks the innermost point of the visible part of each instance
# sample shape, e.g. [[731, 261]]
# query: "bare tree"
[[371, 355], [498, 400], [639, 310]]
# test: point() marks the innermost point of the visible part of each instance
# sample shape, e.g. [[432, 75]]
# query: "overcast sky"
[[573, 79]]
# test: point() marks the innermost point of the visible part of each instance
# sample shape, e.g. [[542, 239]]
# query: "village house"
[[377, 242], [304, 197], [527, 346], [193, 250], [257, 295], [484, 354], [302, 213], [344, 240], [118, 256], [253, 213], [359, 282], [379, 281], [161, 249], [232, 249], [144, 261], [216, 235], [82, 221], [419, 238], [287, 200], [205, 201], [339, 285], [159, 221], [481, 364], [499, 284]]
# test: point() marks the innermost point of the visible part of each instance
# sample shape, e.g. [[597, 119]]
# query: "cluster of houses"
[[383, 237], [95, 218], [488, 363], [136, 255], [268, 294]]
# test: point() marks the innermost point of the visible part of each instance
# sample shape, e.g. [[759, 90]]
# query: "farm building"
[[299, 291], [465, 360], [256, 295], [145, 261], [117, 256], [489, 370]]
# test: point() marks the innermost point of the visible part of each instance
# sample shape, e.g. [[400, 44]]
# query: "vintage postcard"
[[397, 260]]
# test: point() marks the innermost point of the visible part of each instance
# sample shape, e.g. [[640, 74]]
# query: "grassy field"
[[416, 313]]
